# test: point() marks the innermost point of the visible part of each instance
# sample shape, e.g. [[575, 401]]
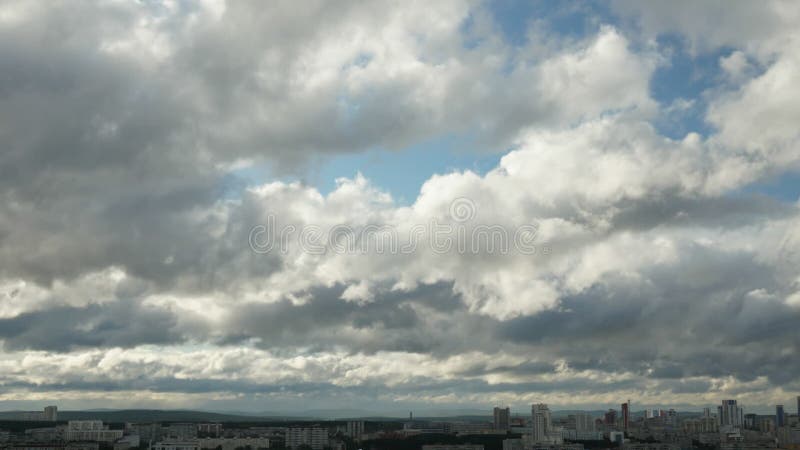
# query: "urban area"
[[728, 426]]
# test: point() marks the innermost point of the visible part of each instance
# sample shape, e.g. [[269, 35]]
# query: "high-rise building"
[[502, 418], [610, 417], [798, 406], [513, 444], [766, 425], [181, 431], [209, 429], [653, 413], [355, 429], [51, 413], [779, 416], [730, 414], [672, 417], [147, 432], [314, 437], [625, 415], [90, 431], [541, 424], [580, 422], [452, 447]]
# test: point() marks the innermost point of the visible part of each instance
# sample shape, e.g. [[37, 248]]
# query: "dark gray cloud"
[[417, 386], [429, 319], [694, 318], [116, 324], [674, 210]]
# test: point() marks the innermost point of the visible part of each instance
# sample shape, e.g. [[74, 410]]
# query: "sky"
[[237, 205]]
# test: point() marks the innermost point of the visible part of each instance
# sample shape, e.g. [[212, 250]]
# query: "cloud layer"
[[127, 276]]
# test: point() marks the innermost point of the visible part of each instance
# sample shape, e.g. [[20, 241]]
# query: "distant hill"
[[156, 415], [152, 415], [149, 415]]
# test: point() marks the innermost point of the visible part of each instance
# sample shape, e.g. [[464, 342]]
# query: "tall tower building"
[[581, 421], [779, 416], [502, 418], [626, 415], [51, 413], [610, 417], [355, 429], [541, 424], [730, 414]]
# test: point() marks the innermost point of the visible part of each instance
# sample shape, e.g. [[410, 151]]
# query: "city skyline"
[[519, 410], [730, 428], [282, 206]]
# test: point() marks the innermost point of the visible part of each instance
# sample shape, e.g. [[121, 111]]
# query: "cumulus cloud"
[[127, 259]]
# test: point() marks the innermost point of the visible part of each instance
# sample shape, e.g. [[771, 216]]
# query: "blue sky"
[[683, 76]]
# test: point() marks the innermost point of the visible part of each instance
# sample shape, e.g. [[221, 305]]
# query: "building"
[[581, 426], [54, 446], [90, 431], [766, 425], [502, 418], [255, 443], [452, 447], [730, 415], [425, 427], [788, 437], [652, 413], [209, 429], [610, 418], [513, 444], [147, 432], [541, 423], [556, 447], [51, 413], [473, 428], [181, 432], [355, 429], [672, 417], [127, 442], [574, 435], [780, 419], [314, 437], [798, 406], [584, 422], [175, 445], [82, 446], [580, 422], [747, 445], [626, 416], [700, 425], [49, 434], [650, 446], [616, 436], [542, 431], [35, 446]]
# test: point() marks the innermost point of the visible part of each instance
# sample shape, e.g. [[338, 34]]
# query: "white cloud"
[[122, 262]]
